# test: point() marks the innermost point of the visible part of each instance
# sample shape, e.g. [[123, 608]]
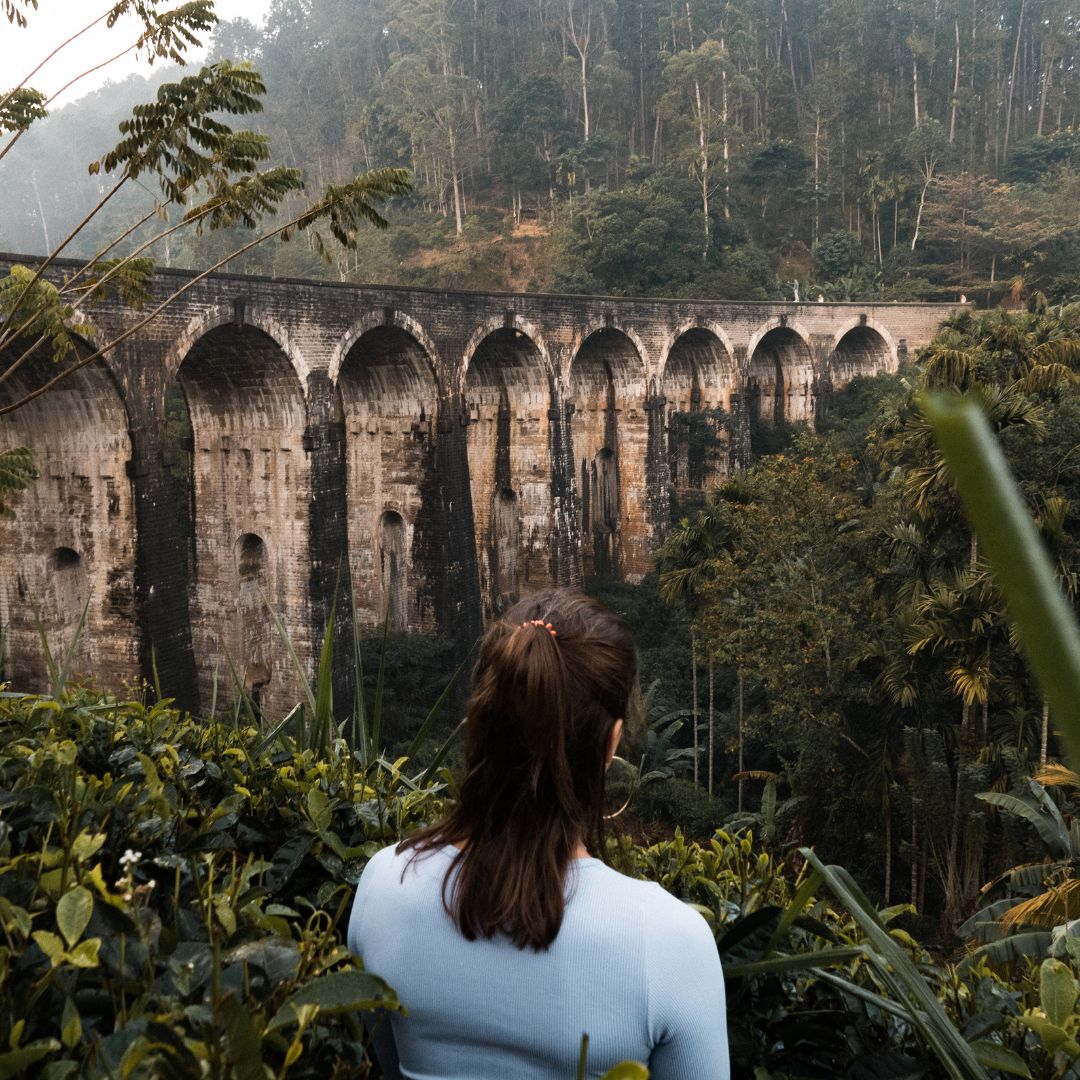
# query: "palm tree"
[[687, 562]]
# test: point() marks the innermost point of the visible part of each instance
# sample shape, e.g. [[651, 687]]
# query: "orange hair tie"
[[543, 626]]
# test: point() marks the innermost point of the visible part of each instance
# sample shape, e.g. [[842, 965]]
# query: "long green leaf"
[[323, 726], [376, 718], [781, 964], [440, 755], [336, 993], [896, 968], [361, 742], [1007, 535], [434, 712], [1043, 824]]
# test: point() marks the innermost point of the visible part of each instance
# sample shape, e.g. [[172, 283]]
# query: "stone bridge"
[[431, 454]]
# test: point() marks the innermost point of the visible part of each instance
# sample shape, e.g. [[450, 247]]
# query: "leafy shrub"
[[171, 893], [680, 804]]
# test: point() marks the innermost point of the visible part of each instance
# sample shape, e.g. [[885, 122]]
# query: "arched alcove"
[[780, 389], [71, 543], [255, 662], [250, 489], [507, 395], [388, 400], [609, 440], [393, 570], [699, 376], [861, 351]]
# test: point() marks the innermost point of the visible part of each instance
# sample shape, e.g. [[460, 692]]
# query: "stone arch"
[[507, 394], [511, 321], [863, 347], [71, 544], [385, 319], [237, 314], [609, 445], [389, 396], [780, 378], [247, 474], [699, 376]]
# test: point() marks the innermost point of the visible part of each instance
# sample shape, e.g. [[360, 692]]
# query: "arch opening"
[[861, 351], [389, 397], [698, 379], [507, 398], [780, 390], [609, 429], [253, 630], [236, 418], [71, 543], [393, 569]]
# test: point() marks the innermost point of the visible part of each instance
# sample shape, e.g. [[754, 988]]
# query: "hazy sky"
[[55, 20]]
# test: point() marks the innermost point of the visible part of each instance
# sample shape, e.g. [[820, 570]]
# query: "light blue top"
[[634, 968]]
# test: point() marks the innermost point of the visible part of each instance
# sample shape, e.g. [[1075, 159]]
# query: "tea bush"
[[173, 894]]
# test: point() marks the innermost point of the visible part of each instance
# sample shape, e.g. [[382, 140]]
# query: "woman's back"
[[631, 966]]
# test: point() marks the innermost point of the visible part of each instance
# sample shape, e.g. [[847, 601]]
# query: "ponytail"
[[552, 678]]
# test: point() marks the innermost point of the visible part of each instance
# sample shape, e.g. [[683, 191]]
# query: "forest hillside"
[[863, 149]]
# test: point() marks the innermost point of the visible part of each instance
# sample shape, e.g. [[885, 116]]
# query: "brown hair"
[[539, 724]]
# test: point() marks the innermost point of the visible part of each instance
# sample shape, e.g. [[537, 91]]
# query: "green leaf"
[[338, 992], [85, 954], [627, 1070], [245, 1043], [1054, 1038], [70, 1024], [1057, 991], [1008, 536], [50, 945], [73, 913], [995, 1056], [18, 1061], [318, 808], [1043, 824]]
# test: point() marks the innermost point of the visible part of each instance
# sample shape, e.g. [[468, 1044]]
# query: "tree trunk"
[[1044, 732], [1012, 82], [888, 852], [712, 723], [914, 858], [915, 86], [919, 212], [456, 182], [955, 86], [724, 124], [742, 764], [694, 693]]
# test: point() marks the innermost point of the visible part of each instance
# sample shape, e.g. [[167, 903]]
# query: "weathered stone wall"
[[437, 454]]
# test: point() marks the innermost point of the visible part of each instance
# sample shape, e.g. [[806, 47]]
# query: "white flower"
[[130, 859]]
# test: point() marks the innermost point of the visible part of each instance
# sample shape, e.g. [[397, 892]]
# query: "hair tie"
[[543, 626]]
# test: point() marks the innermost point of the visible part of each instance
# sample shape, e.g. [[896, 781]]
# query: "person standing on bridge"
[[503, 933]]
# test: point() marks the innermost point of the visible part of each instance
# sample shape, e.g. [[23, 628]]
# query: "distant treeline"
[[864, 148]]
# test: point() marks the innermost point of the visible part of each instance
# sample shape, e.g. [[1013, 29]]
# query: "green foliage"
[[18, 470], [173, 891]]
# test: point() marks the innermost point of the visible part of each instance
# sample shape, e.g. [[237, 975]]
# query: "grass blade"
[[433, 714], [376, 718]]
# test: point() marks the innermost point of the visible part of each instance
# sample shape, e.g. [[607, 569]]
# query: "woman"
[[505, 939]]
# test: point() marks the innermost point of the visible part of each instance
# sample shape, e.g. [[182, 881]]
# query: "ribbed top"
[[634, 968]]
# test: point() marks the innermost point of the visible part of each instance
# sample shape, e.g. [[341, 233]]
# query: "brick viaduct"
[[438, 452]]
